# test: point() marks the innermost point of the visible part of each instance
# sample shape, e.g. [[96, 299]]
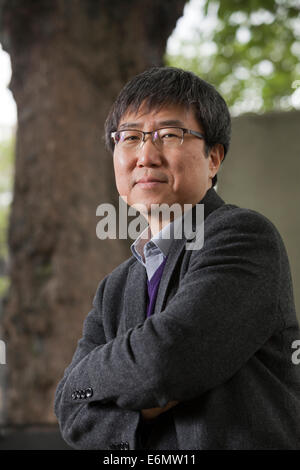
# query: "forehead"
[[169, 114]]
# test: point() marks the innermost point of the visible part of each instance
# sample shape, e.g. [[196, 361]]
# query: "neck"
[[157, 225]]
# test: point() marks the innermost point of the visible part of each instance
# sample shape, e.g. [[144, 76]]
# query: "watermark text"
[[2, 352], [178, 222]]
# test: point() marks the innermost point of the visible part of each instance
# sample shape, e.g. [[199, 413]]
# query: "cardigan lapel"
[[135, 295], [174, 253]]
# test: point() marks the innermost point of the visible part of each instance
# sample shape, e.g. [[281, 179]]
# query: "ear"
[[216, 155]]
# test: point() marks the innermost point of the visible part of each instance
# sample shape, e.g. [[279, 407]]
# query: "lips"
[[151, 179]]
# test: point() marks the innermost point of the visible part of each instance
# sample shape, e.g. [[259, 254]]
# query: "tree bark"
[[69, 61]]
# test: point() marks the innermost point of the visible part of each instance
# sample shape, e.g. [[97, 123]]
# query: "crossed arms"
[[152, 413], [223, 311]]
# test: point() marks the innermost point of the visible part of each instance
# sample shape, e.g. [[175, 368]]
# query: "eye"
[[170, 134], [129, 137]]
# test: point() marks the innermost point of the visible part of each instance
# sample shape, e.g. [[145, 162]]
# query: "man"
[[184, 349]]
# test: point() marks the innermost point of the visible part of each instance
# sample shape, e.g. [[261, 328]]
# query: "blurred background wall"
[[262, 173]]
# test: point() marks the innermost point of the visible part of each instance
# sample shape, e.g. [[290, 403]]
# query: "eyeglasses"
[[166, 137]]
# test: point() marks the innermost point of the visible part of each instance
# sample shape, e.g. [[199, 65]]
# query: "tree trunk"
[[69, 61]]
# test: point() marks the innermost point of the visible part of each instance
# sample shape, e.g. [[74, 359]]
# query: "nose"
[[149, 154]]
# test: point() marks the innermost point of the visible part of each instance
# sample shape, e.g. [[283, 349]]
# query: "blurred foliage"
[[4, 214], [7, 150], [255, 52], [4, 286]]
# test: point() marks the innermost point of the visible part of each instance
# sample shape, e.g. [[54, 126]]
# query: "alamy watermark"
[[2, 352], [296, 354], [187, 222]]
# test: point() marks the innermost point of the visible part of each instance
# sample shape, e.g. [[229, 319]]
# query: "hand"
[[151, 413]]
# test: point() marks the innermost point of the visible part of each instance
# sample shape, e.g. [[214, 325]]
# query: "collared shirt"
[[150, 250]]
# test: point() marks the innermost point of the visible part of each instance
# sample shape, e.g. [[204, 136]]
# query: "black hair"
[[160, 86]]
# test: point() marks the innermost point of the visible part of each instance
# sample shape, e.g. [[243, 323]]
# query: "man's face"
[[184, 172]]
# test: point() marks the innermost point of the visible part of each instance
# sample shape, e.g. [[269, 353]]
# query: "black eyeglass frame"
[[184, 131]]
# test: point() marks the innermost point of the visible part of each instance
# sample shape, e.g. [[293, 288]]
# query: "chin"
[[148, 202]]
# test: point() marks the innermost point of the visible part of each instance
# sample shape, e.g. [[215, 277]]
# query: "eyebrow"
[[170, 122]]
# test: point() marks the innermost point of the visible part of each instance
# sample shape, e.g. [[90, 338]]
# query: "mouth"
[[149, 183], [150, 179]]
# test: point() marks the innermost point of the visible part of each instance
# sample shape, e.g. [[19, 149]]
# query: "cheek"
[[185, 170], [121, 176], [188, 172]]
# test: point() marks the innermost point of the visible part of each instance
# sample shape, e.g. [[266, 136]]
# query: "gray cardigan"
[[219, 342]]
